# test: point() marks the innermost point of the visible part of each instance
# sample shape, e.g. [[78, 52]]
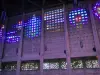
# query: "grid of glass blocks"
[[96, 9], [0, 34], [12, 37], [54, 20], [51, 65], [92, 64], [76, 64], [63, 65], [30, 66], [78, 17], [9, 67], [55, 64], [46, 65], [32, 27], [1, 31]]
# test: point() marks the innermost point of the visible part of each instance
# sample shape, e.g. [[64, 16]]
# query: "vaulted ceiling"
[[14, 7]]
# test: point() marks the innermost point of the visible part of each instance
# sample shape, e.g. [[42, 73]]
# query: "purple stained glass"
[[12, 37], [1, 32], [96, 9], [32, 27]]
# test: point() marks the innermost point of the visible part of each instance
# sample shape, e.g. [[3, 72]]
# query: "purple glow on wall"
[[1, 32], [78, 17], [32, 27], [12, 37], [96, 9]]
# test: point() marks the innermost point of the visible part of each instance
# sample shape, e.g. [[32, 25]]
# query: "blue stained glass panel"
[[96, 9], [78, 16]]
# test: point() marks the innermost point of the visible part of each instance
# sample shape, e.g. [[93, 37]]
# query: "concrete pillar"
[[95, 34], [84, 65], [3, 40], [67, 47], [42, 44], [20, 49]]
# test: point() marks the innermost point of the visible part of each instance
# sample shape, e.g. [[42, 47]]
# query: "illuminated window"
[[63, 65], [46, 65], [78, 17], [32, 27], [54, 19], [0, 34], [96, 9], [77, 64], [92, 64], [30, 66], [55, 64], [9, 66], [12, 37], [51, 65]]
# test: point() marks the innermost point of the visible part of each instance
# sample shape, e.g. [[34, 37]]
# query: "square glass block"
[[55, 19], [54, 65], [77, 64]]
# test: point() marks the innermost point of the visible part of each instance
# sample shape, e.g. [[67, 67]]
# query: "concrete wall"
[[30, 73], [74, 72], [8, 73], [54, 45]]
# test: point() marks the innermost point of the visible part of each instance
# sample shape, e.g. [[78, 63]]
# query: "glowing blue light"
[[1, 34], [32, 28], [12, 38], [80, 16], [96, 9]]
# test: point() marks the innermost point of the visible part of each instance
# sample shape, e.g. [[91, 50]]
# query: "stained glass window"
[[78, 17], [96, 9], [30, 66], [13, 36], [32, 27], [54, 20]]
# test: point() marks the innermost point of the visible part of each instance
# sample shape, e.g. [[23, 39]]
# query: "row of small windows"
[[53, 20], [52, 64]]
